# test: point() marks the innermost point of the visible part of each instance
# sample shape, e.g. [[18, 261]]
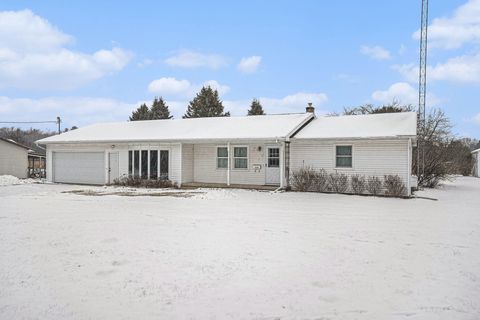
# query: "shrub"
[[338, 182], [394, 187], [374, 185], [320, 181], [303, 179], [358, 184], [130, 181]]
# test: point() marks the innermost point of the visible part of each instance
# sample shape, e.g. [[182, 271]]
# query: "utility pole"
[[58, 122], [422, 89]]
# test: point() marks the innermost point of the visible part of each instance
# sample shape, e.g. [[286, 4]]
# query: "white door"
[[79, 167], [112, 166], [272, 167]]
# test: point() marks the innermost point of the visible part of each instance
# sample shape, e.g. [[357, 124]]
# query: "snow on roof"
[[215, 128], [476, 151], [361, 126], [14, 142]]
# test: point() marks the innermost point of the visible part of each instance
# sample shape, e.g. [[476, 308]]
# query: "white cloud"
[[169, 86], [222, 89], [33, 56], [376, 52], [249, 64], [183, 88], [461, 69], [73, 110], [83, 111], [455, 31], [404, 93], [476, 118], [400, 91], [192, 59], [289, 104]]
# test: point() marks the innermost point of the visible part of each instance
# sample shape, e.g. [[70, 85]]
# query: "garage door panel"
[[79, 167]]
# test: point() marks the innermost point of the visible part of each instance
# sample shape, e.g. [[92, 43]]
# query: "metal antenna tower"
[[422, 88]]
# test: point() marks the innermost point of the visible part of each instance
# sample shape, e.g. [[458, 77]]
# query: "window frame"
[[148, 174], [343, 156], [247, 157], [217, 157]]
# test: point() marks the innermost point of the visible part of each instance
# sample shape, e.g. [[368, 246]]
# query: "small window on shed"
[[343, 156]]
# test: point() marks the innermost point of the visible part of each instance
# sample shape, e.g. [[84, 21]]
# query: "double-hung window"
[[240, 157], [222, 157], [343, 157]]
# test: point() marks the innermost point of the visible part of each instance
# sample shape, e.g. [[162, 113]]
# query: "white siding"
[[370, 157], [205, 165], [13, 160], [175, 169], [187, 162]]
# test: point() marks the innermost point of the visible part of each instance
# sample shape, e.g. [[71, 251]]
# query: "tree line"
[[206, 103]]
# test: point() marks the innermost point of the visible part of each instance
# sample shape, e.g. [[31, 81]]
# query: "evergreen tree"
[[159, 110], [256, 109], [142, 113], [206, 104]]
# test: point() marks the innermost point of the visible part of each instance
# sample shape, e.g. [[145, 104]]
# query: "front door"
[[112, 166], [272, 167]]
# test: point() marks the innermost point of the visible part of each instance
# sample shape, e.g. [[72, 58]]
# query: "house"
[[13, 158], [476, 163], [226, 151]]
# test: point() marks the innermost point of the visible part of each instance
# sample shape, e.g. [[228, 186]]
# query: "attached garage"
[[79, 167]]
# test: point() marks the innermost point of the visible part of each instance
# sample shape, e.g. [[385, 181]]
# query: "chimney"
[[310, 108]]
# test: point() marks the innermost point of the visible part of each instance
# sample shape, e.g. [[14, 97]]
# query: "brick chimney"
[[310, 108]]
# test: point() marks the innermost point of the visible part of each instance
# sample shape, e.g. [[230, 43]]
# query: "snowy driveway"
[[236, 254]]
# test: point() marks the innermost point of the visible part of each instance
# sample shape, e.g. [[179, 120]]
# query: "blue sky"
[[95, 61]]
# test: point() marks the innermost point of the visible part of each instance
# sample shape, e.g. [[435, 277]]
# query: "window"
[[130, 162], [343, 156], [164, 164], [136, 163], [144, 173], [273, 157], [240, 157], [153, 164], [222, 157]]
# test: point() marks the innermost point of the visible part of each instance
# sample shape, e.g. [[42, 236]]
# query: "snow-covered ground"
[[237, 254]]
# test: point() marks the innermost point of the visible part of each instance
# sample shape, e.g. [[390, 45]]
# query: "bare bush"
[[303, 179], [359, 184], [374, 185], [320, 183], [132, 181], [338, 182], [394, 186]]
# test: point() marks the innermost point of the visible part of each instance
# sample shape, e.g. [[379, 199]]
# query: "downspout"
[[409, 167]]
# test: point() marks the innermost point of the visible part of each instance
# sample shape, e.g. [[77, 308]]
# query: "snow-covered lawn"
[[238, 254]]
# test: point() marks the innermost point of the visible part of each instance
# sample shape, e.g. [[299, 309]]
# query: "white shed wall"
[[13, 160], [476, 165], [370, 157]]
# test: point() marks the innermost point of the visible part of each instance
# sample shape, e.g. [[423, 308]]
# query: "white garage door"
[[79, 167]]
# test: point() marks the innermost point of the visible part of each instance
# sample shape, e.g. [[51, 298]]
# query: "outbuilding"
[[476, 163], [13, 158]]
